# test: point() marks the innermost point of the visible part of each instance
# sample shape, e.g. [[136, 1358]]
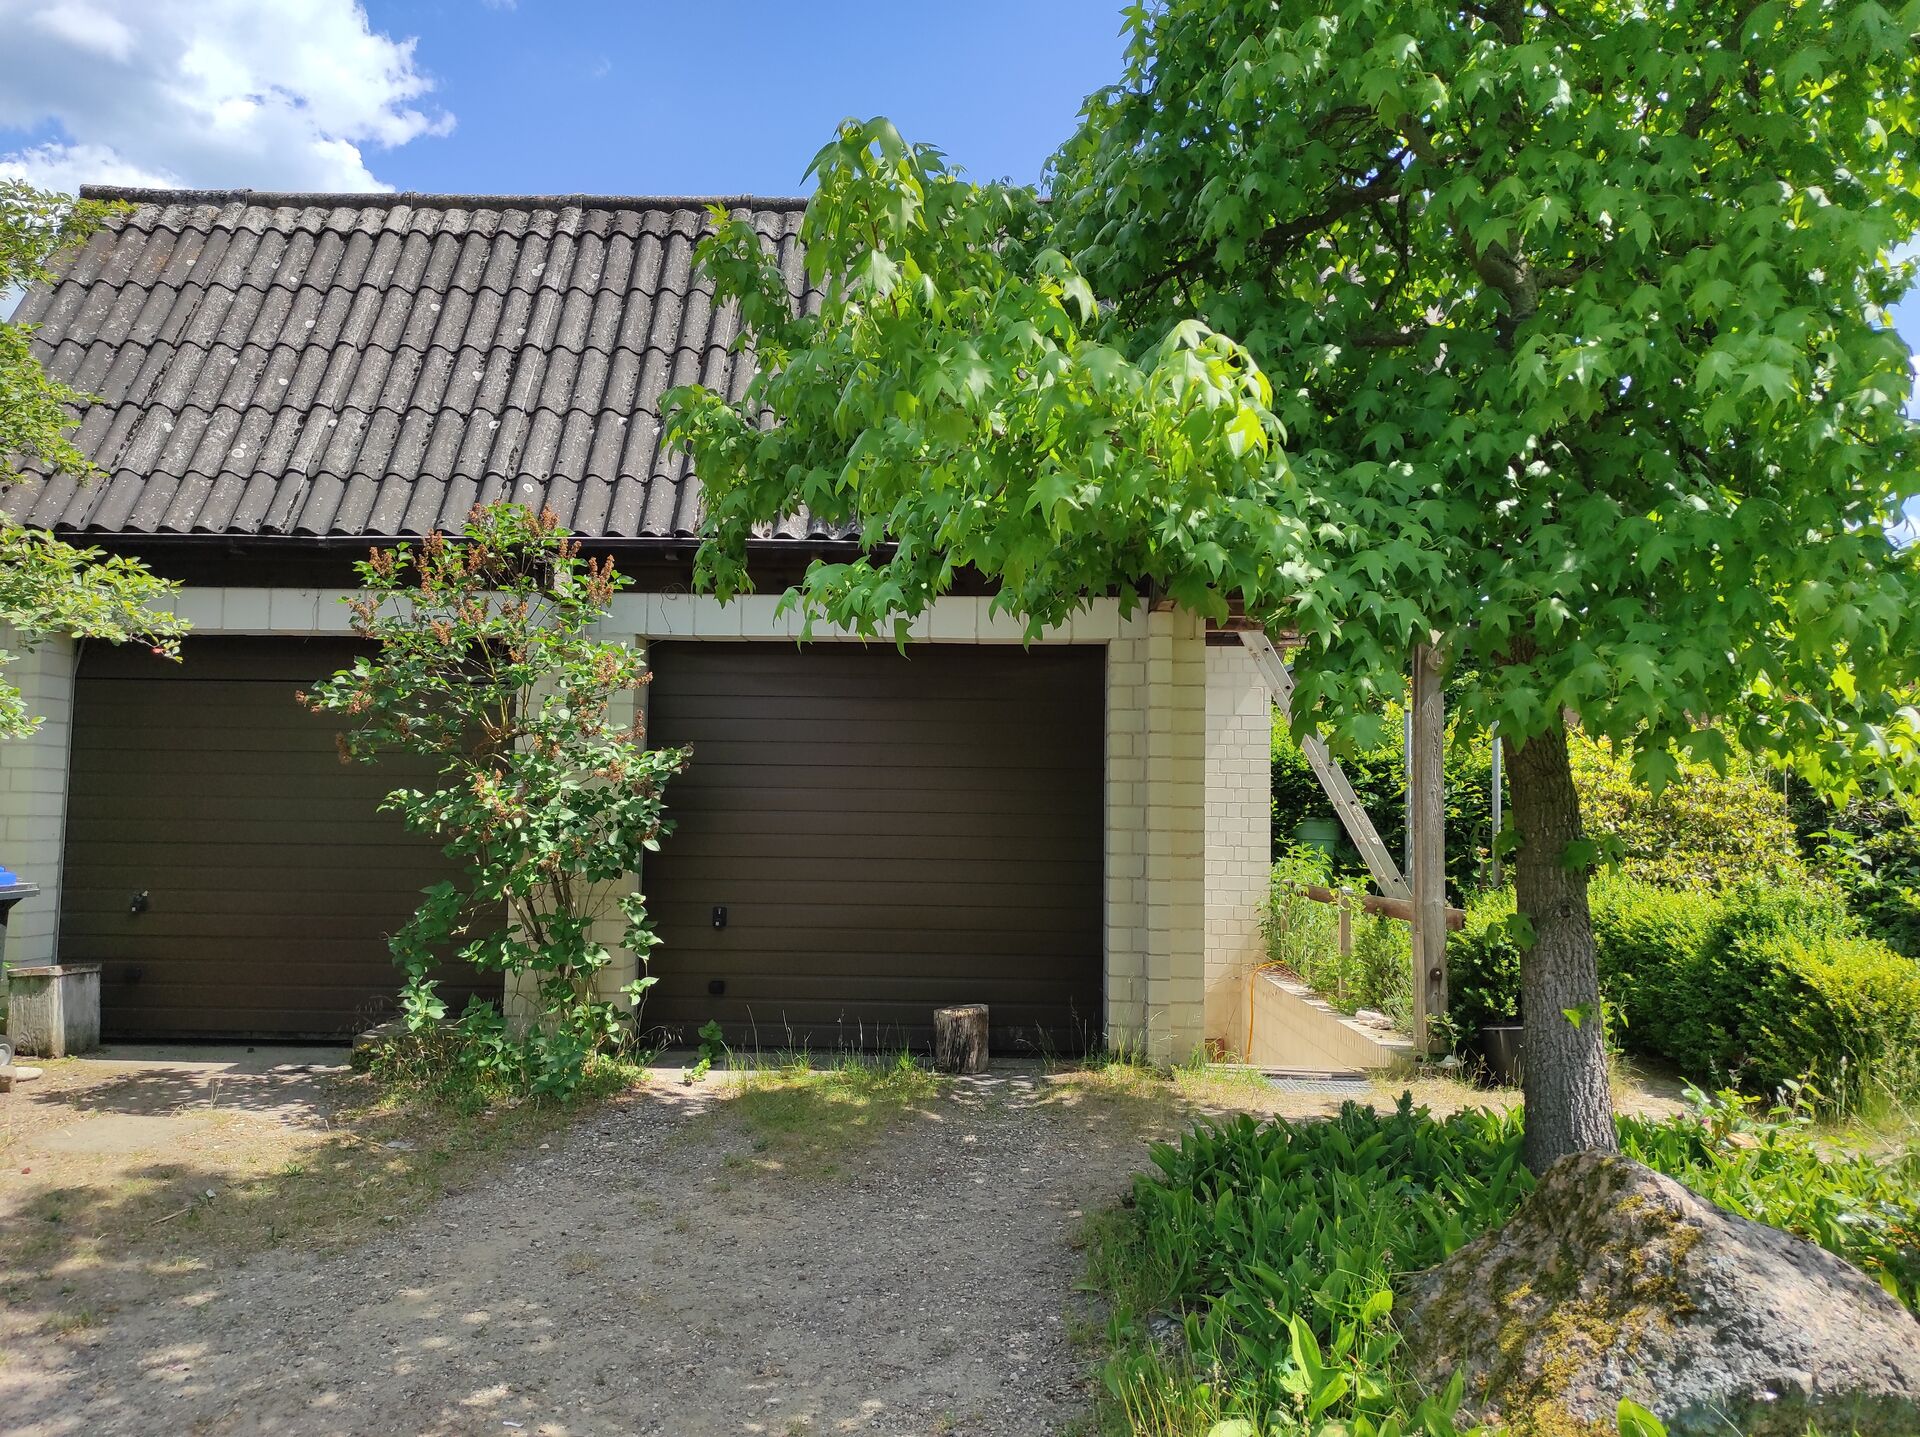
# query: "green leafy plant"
[[47, 586], [1633, 1420], [1869, 847], [713, 1047], [1302, 935], [1299, 931], [1704, 827], [548, 796], [1278, 1250]]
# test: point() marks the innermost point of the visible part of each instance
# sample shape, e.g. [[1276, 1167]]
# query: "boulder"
[[1613, 1281]]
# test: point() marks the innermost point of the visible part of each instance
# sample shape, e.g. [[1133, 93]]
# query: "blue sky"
[[614, 96], [735, 96], [609, 96]]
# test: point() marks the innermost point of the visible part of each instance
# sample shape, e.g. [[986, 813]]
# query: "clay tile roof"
[[321, 365]]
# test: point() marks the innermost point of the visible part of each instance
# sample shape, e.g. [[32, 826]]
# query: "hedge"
[[1703, 827], [1756, 984]]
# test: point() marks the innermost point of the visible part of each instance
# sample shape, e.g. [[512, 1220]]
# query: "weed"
[[69, 1321], [713, 1047], [799, 1114]]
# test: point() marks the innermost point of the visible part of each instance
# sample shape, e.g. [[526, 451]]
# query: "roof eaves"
[[386, 199]]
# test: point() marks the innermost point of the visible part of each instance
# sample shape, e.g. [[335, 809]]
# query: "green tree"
[[1575, 317], [547, 794], [49, 587], [1705, 828]]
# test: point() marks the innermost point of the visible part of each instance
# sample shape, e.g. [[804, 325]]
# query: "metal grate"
[[1319, 1085]]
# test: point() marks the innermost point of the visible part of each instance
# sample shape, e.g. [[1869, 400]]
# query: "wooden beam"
[[1353, 817], [1400, 908], [1427, 846]]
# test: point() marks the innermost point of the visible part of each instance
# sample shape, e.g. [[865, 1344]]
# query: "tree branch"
[[1701, 110], [1391, 338], [1385, 186]]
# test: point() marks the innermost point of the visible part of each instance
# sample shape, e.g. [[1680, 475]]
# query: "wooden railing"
[[1348, 900]]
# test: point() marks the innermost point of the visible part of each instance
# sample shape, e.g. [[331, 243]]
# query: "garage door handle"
[[139, 903]]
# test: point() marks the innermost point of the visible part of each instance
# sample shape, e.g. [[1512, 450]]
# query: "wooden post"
[[1344, 924], [1427, 845], [960, 1039], [1493, 847]]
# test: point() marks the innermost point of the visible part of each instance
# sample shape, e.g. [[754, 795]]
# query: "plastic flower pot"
[[1503, 1045], [1320, 833]]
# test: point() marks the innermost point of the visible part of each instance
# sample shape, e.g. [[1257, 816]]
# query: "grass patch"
[[434, 1068], [1170, 1091], [802, 1115], [70, 1322]]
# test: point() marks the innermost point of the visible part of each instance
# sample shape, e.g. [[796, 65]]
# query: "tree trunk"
[[1569, 1107], [960, 1039]]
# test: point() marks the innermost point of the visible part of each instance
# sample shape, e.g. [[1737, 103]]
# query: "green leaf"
[[1634, 1420]]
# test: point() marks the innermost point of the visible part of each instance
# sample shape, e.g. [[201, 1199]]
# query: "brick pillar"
[[520, 1003], [1239, 835], [1126, 942], [1156, 835]]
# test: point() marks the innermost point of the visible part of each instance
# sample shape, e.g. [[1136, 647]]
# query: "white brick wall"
[[955, 619], [33, 794], [1239, 836], [1157, 950]]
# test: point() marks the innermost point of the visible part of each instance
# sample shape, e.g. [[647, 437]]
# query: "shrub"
[[1703, 828], [1382, 962], [1830, 1007], [1299, 931], [1303, 934], [1483, 964], [545, 793], [1870, 849], [1760, 984], [1283, 1247], [1646, 936]]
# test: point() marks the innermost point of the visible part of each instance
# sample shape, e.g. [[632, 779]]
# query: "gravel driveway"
[[659, 1269]]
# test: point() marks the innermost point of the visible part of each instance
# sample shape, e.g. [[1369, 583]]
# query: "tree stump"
[[960, 1039]]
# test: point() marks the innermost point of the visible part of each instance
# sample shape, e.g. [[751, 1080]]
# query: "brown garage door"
[[271, 881], [886, 834]]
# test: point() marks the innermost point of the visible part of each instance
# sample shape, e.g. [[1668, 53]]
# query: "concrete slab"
[[172, 1079], [239, 1058]]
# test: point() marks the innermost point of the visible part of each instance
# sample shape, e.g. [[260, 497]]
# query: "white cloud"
[[67, 167], [85, 28], [211, 93]]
